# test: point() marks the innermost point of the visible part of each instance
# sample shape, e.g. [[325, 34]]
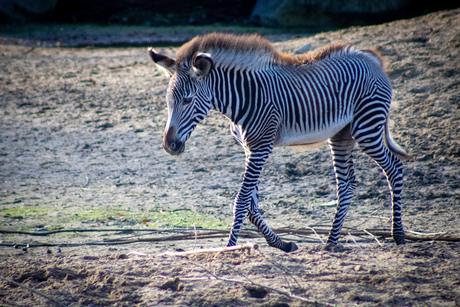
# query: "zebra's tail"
[[393, 146]]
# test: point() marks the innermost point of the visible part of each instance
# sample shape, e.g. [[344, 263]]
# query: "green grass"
[[22, 212], [54, 217]]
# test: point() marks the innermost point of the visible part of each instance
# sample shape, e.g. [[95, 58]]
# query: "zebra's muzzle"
[[174, 147], [171, 144]]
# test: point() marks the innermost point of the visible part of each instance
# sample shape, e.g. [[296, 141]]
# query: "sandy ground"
[[81, 129]]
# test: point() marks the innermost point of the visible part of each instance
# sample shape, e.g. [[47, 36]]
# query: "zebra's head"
[[189, 99]]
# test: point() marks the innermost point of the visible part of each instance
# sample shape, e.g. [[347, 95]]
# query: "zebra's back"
[[321, 98]]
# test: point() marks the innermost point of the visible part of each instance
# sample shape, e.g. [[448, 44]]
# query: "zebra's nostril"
[[175, 145]]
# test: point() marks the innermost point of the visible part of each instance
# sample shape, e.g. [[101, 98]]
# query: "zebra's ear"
[[202, 64], [163, 62]]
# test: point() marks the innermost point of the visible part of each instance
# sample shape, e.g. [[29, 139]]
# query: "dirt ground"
[[81, 130]]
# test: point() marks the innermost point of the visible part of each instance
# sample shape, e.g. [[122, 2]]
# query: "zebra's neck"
[[239, 93]]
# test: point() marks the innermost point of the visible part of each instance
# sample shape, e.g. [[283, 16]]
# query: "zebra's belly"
[[290, 137]]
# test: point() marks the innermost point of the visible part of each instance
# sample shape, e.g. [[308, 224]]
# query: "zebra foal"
[[340, 94]]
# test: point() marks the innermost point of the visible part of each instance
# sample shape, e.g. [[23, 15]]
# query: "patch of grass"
[[186, 219], [23, 212], [166, 219], [69, 217]]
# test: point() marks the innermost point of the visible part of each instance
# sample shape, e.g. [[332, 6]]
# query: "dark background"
[[155, 13], [200, 12]]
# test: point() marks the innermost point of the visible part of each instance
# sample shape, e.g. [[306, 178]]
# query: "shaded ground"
[[81, 132]]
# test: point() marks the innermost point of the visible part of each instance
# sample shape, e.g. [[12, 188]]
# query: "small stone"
[[121, 256], [256, 291], [172, 284]]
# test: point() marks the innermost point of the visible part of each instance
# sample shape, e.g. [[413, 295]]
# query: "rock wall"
[[25, 10], [339, 13], [321, 14], [140, 12]]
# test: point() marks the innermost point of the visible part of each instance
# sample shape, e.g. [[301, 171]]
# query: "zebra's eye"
[[187, 100]]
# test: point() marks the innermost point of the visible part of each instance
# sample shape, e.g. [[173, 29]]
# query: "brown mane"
[[323, 53], [313, 56], [221, 41], [251, 43]]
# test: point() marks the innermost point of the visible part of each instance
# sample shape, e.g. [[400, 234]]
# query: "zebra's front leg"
[[255, 218], [246, 203]]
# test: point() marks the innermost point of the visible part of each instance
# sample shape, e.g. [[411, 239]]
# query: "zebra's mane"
[[253, 51]]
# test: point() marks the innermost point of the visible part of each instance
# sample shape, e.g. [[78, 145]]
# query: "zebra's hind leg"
[[272, 238], [392, 167], [342, 148]]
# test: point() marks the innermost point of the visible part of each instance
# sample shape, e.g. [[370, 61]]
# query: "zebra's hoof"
[[334, 247], [289, 247], [400, 240]]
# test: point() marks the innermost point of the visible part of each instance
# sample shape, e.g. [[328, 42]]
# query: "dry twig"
[[282, 268], [373, 237], [188, 234], [247, 246]]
